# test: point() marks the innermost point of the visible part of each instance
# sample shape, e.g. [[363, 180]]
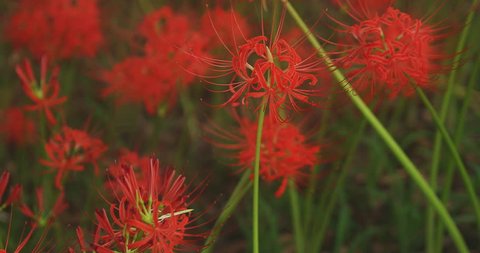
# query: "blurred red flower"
[[71, 150], [285, 153], [16, 128], [44, 92], [57, 28], [162, 72], [387, 53]]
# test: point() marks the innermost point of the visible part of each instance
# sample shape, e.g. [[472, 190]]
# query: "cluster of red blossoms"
[[63, 28], [156, 77], [71, 150], [387, 51], [268, 72], [151, 214], [285, 153]]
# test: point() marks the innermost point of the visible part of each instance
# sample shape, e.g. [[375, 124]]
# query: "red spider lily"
[[57, 28], [158, 75], [284, 154], [151, 214], [14, 193], [387, 53], [267, 71], [16, 128], [44, 92], [71, 150], [43, 216]]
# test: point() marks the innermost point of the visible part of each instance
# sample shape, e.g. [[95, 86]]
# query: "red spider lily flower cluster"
[[151, 215], [40, 216], [388, 52], [43, 92], [269, 71], [285, 152], [156, 77], [16, 127], [14, 193], [57, 28], [71, 150]]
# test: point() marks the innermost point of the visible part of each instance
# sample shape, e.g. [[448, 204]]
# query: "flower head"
[[44, 92], [150, 214], [388, 52], [71, 150], [266, 71], [57, 28], [285, 153]]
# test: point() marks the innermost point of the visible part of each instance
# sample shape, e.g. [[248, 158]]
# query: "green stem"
[[238, 193], [437, 146], [297, 224], [326, 215], [313, 179], [256, 177], [397, 151], [458, 135], [189, 110], [454, 152]]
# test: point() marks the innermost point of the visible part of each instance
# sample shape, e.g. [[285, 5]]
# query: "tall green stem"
[[453, 150], [458, 135], [437, 146], [325, 219], [297, 223], [256, 177], [242, 187], [397, 151]]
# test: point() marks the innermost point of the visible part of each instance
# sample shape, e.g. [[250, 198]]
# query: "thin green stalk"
[[397, 151], [313, 179], [297, 223], [327, 214], [437, 146], [256, 178], [238, 193], [454, 152], [189, 110], [457, 136]]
